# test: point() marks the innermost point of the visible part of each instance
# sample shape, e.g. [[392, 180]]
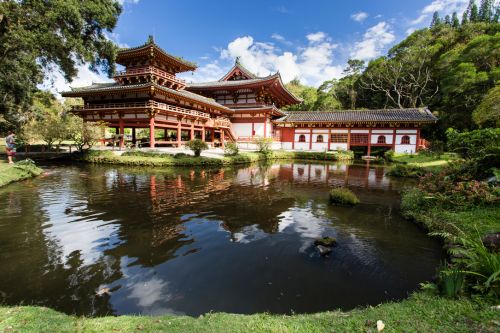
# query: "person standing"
[[10, 142]]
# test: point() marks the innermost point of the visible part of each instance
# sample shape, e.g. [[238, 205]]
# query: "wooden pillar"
[[369, 141], [329, 137], [293, 139], [212, 133], [253, 131], [310, 138], [122, 133], [265, 127], [418, 140], [134, 136], [191, 133], [348, 139], [165, 134], [222, 137], [203, 133], [179, 132], [117, 130], [394, 140], [152, 140]]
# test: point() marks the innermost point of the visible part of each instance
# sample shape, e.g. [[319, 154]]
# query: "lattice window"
[[357, 138], [381, 139], [302, 138], [319, 138], [338, 138], [405, 140]]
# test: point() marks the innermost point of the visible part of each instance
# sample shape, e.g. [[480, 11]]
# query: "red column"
[[191, 134], [152, 141], [329, 137], [253, 131], [369, 141], [265, 127], [418, 140], [222, 137], [310, 138], [394, 140], [203, 133], [122, 133], [348, 139], [179, 134], [293, 139]]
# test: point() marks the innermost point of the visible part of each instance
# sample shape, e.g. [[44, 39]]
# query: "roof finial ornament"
[[151, 39], [237, 61]]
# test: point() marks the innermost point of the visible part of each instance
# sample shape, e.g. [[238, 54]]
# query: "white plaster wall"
[[385, 131], [408, 149], [315, 137], [406, 131], [258, 128], [413, 139], [297, 136], [338, 146], [359, 131], [339, 131], [301, 146], [286, 145], [320, 146], [242, 129], [388, 138]]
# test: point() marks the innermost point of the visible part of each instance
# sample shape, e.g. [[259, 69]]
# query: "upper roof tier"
[[151, 50], [239, 77]]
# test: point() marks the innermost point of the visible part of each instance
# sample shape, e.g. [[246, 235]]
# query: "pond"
[[99, 240]]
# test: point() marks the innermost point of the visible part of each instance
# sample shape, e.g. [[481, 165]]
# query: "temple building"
[[239, 107]]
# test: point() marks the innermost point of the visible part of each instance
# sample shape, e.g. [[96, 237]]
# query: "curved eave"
[[149, 88], [145, 50]]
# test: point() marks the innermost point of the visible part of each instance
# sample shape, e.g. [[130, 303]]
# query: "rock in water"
[[323, 250], [380, 325], [326, 241]]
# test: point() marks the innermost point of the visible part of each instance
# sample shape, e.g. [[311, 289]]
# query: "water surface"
[[189, 241]]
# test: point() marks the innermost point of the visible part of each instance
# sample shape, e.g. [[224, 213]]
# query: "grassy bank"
[[419, 313], [416, 165], [19, 171], [159, 160]]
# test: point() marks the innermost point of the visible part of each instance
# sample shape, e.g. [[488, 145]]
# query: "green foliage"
[[231, 149], [407, 171], [451, 281], [343, 196], [481, 147], [43, 36], [197, 146], [83, 133], [487, 113], [21, 170], [389, 155], [263, 144]]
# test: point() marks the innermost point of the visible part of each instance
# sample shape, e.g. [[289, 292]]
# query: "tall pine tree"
[[455, 23], [435, 20]]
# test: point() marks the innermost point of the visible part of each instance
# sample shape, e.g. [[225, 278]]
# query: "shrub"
[[403, 170], [263, 144], [450, 282], [343, 196], [197, 146], [180, 155], [389, 155], [231, 149]]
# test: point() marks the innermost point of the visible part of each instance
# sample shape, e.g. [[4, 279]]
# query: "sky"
[[310, 40]]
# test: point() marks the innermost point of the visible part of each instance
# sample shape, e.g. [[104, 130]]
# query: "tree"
[[486, 11], [436, 20], [309, 96], [197, 146], [455, 23], [447, 20], [473, 11], [487, 113], [465, 18], [84, 134], [37, 37]]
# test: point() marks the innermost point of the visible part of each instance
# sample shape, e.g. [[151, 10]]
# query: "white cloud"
[[444, 7], [316, 37], [374, 41], [359, 17], [277, 37], [409, 31], [122, 2]]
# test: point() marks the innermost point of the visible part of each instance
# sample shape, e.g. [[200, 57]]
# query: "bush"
[[343, 196], [389, 155], [404, 170], [181, 155], [231, 149], [197, 146], [263, 144]]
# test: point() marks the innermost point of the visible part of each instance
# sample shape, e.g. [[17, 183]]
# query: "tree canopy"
[[37, 37]]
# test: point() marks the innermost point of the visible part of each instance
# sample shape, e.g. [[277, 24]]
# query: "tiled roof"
[[115, 86], [223, 84], [357, 116], [150, 42]]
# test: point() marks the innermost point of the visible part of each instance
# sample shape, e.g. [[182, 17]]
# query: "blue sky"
[[311, 40]]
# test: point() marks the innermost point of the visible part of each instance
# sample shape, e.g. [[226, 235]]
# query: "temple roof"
[[110, 87], [238, 68], [421, 115], [150, 45]]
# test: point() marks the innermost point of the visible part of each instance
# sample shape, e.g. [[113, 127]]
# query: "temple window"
[[338, 138], [302, 138], [319, 138], [405, 140], [381, 139]]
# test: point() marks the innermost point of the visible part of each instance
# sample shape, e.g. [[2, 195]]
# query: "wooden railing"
[[142, 105], [222, 122], [151, 70]]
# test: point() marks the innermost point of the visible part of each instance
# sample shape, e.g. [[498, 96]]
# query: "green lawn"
[[420, 313], [425, 160]]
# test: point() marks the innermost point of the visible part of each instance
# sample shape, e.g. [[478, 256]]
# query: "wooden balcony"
[[141, 106], [151, 70]]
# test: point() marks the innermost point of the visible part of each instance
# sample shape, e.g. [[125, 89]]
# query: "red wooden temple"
[[239, 107]]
